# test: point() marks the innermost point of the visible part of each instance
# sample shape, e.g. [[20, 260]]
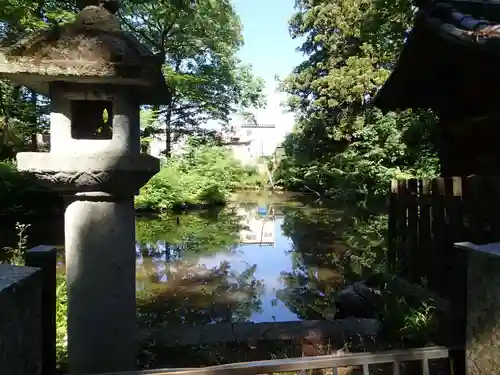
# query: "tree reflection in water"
[[195, 294], [327, 255], [194, 233], [333, 249], [175, 287], [329, 249]]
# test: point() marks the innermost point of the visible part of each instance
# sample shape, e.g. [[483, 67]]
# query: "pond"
[[265, 257], [240, 263]]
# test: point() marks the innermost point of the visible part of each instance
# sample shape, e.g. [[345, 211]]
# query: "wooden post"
[[426, 255], [44, 257], [392, 232], [494, 207], [415, 265], [474, 210], [438, 229], [403, 261]]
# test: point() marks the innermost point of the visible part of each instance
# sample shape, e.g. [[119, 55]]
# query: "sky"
[[270, 50]]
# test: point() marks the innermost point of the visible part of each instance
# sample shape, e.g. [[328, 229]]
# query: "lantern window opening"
[[92, 119]]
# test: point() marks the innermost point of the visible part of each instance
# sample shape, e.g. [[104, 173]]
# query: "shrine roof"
[[450, 55]]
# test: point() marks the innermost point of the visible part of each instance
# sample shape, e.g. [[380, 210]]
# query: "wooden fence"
[[433, 360], [427, 216]]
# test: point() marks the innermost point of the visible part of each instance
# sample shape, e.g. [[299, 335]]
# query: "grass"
[[15, 255]]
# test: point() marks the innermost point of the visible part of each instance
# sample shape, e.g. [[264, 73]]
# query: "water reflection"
[[319, 264], [261, 259], [210, 267], [191, 293], [258, 225]]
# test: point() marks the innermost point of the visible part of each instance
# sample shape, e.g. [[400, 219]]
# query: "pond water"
[[244, 241], [264, 257]]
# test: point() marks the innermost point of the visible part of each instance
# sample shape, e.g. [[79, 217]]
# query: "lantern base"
[[100, 271]]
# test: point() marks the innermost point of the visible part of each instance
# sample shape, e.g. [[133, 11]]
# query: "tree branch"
[[138, 31]]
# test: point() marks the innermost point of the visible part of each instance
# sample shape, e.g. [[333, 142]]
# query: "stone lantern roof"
[[91, 49]]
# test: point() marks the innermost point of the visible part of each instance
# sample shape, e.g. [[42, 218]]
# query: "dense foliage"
[[199, 42], [340, 141], [20, 197], [203, 176], [344, 149], [199, 45]]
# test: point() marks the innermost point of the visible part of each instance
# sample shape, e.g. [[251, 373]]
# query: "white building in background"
[[258, 228], [249, 142]]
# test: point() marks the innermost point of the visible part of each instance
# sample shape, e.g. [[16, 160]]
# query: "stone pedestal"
[[100, 269], [483, 308], [100, 251]]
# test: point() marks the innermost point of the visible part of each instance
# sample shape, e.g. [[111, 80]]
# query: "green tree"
[[21, 110], [340, 141], [198, 41]]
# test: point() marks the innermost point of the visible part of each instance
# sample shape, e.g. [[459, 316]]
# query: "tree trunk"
[[168, 132], [3, 135], [6, 120], [34, 140]]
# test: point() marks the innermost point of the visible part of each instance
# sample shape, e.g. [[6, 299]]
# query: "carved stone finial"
[[111, 6]]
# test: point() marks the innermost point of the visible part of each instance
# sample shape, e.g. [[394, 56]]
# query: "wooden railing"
[[300, 366]]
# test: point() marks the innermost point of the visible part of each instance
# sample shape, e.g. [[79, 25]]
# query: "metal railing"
[[303, 364]]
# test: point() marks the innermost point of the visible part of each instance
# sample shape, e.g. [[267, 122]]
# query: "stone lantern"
[[96, 76]]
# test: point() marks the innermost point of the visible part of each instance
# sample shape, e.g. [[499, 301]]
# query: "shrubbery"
[[19, 196], [203, 176]]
